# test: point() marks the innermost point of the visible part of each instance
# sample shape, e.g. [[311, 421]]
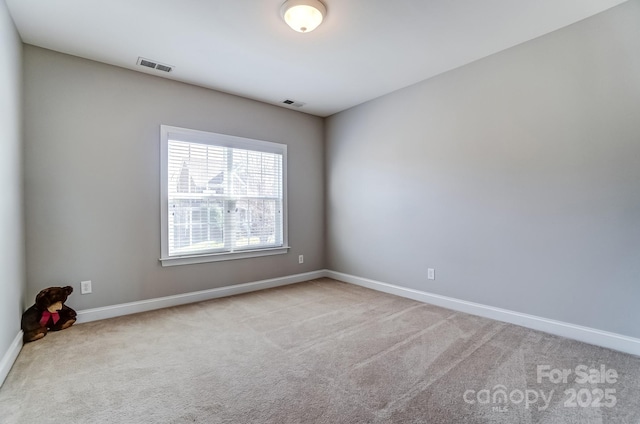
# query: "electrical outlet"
[[85, 287], [300, 259], [431, 274]]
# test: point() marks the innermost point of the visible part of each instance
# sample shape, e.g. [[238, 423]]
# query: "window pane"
[[195, 225], [256, 223], [222, 199]]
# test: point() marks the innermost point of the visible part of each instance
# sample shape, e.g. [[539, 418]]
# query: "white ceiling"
[[363, 49]]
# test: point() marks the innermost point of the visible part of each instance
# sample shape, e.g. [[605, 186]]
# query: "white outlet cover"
[[85, 287], [431, 273]]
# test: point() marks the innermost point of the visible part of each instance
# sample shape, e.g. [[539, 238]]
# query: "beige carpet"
[[315, 352]]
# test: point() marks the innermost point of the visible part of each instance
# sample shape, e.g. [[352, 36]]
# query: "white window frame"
[[204, 137]]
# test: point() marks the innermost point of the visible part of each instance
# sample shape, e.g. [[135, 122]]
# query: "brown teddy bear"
[[49, 313]]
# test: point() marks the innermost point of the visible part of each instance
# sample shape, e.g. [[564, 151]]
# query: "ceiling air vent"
[[154, 65], [289, 102]]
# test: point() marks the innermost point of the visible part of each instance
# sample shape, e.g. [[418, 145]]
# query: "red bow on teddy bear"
[[55, 316]]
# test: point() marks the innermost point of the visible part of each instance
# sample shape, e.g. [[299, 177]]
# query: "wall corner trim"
[[112, 311], [10, 356], [589, 335]]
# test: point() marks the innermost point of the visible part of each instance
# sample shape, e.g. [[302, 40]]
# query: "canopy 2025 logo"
[[595, 397]]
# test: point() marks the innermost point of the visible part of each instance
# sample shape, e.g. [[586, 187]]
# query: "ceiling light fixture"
[[303, 15]]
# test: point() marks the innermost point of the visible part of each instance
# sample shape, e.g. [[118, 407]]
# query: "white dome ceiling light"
[[303, 15]]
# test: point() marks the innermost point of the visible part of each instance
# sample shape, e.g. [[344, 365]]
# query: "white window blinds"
[[223, 194]]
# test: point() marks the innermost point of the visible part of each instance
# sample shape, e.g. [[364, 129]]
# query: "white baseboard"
[[10, 357], [112, 311], [576, 332], [593, 336]]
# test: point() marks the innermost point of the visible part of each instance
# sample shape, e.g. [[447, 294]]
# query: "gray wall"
[[12, 279], [516, 177], [93, 179]]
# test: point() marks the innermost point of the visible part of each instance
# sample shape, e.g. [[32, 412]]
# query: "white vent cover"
[[293, 103], [154, 65]]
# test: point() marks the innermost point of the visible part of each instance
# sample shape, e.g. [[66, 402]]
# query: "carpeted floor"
[[315, 352]]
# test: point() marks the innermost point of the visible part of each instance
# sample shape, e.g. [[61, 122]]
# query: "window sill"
[[227, 256]]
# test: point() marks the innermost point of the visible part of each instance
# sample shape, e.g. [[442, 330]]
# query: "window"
[[223, 197]]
